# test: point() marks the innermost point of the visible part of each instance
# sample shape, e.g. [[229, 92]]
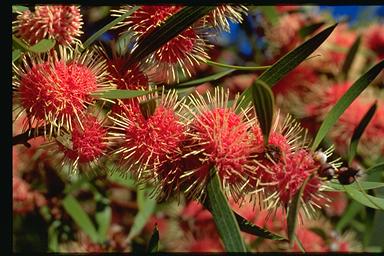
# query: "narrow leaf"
[[253, 229], [293, 211], [171, 27], [222, 65], [19, 8], [125, 181], [350, 57], [53, 236], [153, 245], [352, 210], [366, 185], [263, 101], [74, 209], [288, 62], [103, 219], [358, 132], [270, 13], [367, 200], [16, 54], [146, 208], [43, 46], [204, 79], [223, 216], [18, 43], [344, 102], [107, 27], [120, 94], [309, 29], [377, 168]]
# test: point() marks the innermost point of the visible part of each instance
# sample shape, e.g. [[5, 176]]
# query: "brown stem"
[[31, 133]]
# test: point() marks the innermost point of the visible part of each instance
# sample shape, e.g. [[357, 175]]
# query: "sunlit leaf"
[[367, 200], [16, 54], [19, 8], [223, 216], [222, 65], [43, 46], [344, 102], [366, 185], [203, 80], [120, 94]]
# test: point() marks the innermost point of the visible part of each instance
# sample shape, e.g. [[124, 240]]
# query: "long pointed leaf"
[[253, 229], [366, 185], [350, 57], [367, 200], [204, 79], [377, 168], [293, 211], [153, 244], [74, 209], [223, 216], [222, 65], [107, 27], [287, 63], [120, 94], [43, 46], [172, 27], [263, 101], [358, 132], [344, 102]]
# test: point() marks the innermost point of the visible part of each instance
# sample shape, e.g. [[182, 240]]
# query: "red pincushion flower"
[[182, 53], [375, 39], [60, 22], [56, 90], [218, 137], [149, 143]]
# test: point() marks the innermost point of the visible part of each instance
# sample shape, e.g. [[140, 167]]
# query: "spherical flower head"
[[60, 22], [374, 38], [218, 138], [220, 17], [88, 142], [56, 88], [148, 143], [182, 53]]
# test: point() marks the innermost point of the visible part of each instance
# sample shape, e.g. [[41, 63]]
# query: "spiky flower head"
[[284, 164], [60, 22], [220, 17], [217, 138], [55, 88], [149, 139], [182, 54]]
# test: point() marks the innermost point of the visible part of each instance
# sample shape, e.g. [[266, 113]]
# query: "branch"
[[30, 134]]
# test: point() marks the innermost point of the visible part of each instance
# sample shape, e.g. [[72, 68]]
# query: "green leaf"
[[19, 8], [366, 185], [146, 208], [358, 132], [43, 46], [16, 54], [377, 168], [107, 27], [352, 210], [204, 79], [344, 102], [350, 57], [153, 245], [293, 211], [53, 236], [222, 65], [309, 29], [223, 216], [103, 220], [367, 200], [288, 62], [263, 101], [120, 94], [368, 223], [126, 181], [253, 229], [19, 44], [74, 209], [270, 13], [170, 28]]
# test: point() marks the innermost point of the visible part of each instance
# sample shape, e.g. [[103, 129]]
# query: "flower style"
[[219, 17], [217, 138], [60, 22], [56, 88], [182, 53]]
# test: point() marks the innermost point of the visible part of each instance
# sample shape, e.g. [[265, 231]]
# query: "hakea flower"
[[60, 22], [217, 138], [182, 53], [284, 164], [82, 147], [219, 17], [55, 88], [374, 39], [150, 141]]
